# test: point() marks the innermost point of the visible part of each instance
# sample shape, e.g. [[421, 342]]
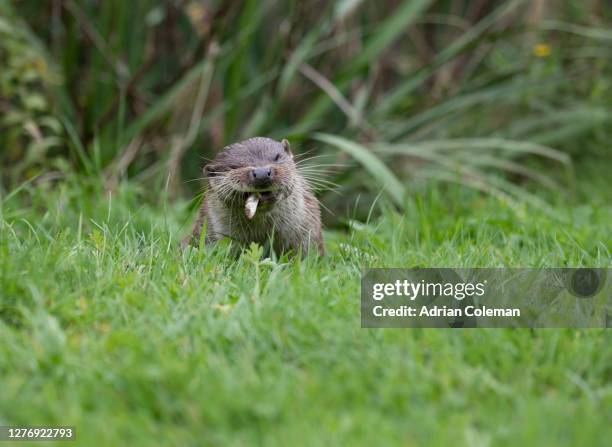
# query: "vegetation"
[[108, 327], [445, 90], [443, 133]]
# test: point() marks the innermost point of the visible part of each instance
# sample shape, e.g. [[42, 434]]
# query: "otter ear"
[[285, 144]]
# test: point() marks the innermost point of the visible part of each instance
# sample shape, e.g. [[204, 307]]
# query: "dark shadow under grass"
[[107, 326]]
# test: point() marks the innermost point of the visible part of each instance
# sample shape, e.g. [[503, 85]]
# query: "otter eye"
[[277, 157]]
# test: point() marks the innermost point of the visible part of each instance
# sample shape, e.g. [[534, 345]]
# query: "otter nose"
[[261, 176]]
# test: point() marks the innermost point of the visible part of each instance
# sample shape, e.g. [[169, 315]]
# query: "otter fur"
[[259, 173]]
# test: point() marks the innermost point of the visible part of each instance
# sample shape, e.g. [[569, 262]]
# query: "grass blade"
[[380, 172], [396, 24]]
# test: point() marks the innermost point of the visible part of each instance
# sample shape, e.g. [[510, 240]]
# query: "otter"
[[255, 193]]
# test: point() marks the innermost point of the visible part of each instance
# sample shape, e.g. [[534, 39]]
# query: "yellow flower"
[[541, 50], [199, 17]]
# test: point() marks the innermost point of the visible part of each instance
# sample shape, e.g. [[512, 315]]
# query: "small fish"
[[250, 207]]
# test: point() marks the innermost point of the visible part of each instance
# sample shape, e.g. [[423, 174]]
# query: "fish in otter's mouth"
[[258, 199]]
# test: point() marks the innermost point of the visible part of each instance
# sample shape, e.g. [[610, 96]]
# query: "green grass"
[[105, 325], [91, 87]]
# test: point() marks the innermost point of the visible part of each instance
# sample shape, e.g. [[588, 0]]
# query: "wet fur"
[[292, 222]]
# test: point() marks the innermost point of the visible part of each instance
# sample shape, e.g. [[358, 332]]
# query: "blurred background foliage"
[[501, 96]]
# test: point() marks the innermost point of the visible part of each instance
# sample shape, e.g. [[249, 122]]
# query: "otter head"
[[255, 166]]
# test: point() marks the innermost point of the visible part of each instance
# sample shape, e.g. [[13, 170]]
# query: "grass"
[[92, 87], [106, 326]]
